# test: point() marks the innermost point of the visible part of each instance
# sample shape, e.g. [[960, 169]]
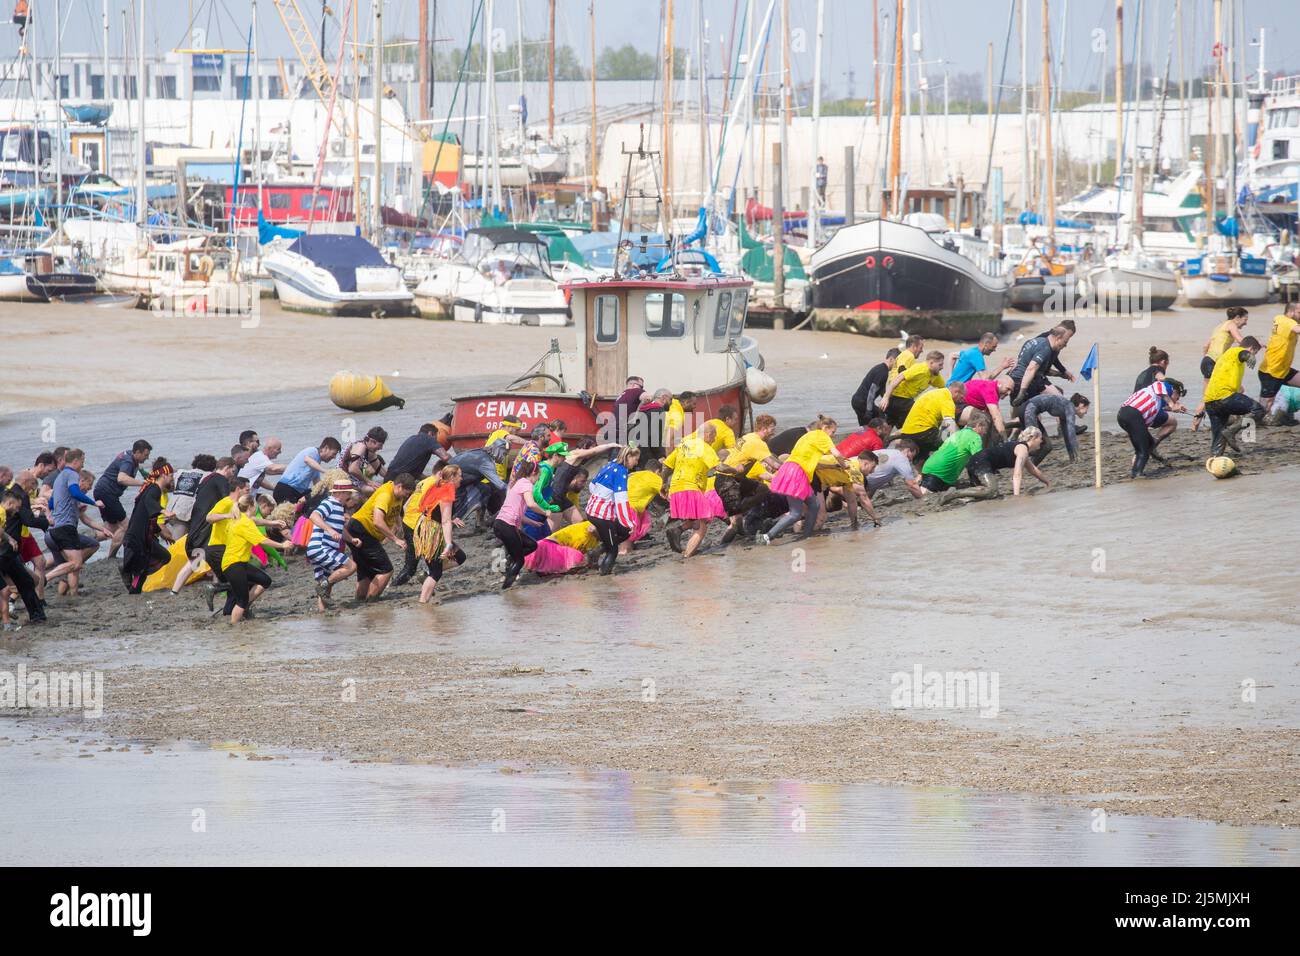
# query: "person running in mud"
[[609, 506], [872, 387], [64, 520], [738, 479], [122, 473], [13, 500], [1146, 409], [1157, 369], [1065, 411], [262, 465], [1037, 358], [895, 462], [512, 515], [362, 461], [943, 469], [933, 417], [985, 395], [1275, 368], [1224, 397], [434, 501], [691, 462], [794, 479], [971, 363], [306, 468], [212, 489], [1016, 455], [907, 384], [1225, 335], [378, 520], [247, 578], [481, 488], [142, 552], [327, 548]]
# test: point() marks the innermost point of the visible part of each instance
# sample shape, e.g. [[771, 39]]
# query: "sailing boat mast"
[[257, 112], [814, 213], [1024, 104], [666, 155], [377, 85], [58, 106], [591, 18], [1049, 184], [1119, 87], [783, 102], [1211, 147], [896, 114], [550, 77], [356, 113], [141, 196], [422, 43]]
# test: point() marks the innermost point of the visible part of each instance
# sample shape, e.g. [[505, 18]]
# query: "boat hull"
[[882, 278], [299, 295], [1220, 291], [1034, 293], [1122, 291]]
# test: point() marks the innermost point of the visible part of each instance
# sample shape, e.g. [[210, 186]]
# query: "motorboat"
[[336, 275], [499, 276]]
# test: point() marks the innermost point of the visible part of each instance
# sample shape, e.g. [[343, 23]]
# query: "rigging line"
[[997, 109], [460, 75]]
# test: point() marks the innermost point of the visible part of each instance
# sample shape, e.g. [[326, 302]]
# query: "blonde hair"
[[245, 504], [448, 473], [625, 454], [1030, 433]]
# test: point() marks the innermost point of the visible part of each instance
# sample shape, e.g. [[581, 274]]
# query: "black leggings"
[[11, 567], [138, 563], [610, 534], [283, 492], [1223, 409], [517, 544], [1130, 419], [437, 567], [242, 578]]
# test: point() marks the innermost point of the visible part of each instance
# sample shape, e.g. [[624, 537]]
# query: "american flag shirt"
[[1149, 401], [608, 499]]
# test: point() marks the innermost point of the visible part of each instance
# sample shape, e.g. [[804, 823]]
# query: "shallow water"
[[301, 810]]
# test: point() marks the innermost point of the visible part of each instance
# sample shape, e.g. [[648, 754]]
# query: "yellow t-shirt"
[[675, 417], [1221, 339], [411, 513], [905, 358], [1228, 373], [384, 500], [929, 411], [809, 449], [240, 538], [642, 487], [916, 379], [833, 476], [217, 539], [750, 455], [692, 461], [1281, 348], [580, 535], [724, 437]]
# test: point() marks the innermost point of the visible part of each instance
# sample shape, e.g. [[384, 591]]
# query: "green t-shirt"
[[946, 463]]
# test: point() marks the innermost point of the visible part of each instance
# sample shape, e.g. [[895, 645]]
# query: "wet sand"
[[761, 674]]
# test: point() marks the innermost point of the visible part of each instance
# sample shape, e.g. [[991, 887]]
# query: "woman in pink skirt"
[[794, 479], [691, 462]]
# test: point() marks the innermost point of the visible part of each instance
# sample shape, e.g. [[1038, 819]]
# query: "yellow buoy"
[[1221, 466], [362, 393]]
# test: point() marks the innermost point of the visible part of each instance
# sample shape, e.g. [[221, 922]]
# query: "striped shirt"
[[1149, 401], [319, 545], [608, 500]]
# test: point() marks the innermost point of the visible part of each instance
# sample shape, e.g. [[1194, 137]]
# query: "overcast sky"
[[955, 33]]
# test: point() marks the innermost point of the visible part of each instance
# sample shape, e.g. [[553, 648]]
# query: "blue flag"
[[1089, 364]]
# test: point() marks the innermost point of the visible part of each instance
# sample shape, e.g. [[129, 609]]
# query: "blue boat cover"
[[340, 256]]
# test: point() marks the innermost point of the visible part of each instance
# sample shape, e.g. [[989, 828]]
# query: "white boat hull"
[[303, 286], [1230, 289], [1116, 288]]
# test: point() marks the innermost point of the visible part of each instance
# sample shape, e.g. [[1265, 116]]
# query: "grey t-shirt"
[[1035, 350], [893, 464]]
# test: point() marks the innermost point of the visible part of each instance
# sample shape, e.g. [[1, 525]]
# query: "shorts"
[[1207, 366], [112, 512], [283, 492], [927, 441], [214, 555], [1270, 386], [371, 558], [29, 549], [326, 561], [1161, 418], [934, 483], [67, 540]]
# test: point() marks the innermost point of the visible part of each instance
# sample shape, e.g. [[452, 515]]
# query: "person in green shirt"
[[943, 469]]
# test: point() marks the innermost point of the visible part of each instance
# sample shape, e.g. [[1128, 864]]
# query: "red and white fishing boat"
[[680, 332]]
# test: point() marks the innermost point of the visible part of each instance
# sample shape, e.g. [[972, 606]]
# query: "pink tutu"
[[644, 520], [716, 507], [689, 505], [552, 557], [791, 480]]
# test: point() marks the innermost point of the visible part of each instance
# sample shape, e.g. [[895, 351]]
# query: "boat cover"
[[340, 256]]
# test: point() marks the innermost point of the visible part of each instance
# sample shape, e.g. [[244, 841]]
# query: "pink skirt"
[[718, 509], [644, 520], [551, 557], [689, 506], [791, 480]]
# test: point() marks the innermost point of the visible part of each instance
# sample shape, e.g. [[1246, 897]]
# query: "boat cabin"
[[289, 203], [506, 253]]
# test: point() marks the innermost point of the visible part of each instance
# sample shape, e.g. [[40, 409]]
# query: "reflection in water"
[[308, 811]]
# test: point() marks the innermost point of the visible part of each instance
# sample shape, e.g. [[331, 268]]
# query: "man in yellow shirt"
[[906, 385], [739, 486], [1276, 369], [1224, 397], [933, 417], [913, 347], [376, 521], [724, 428]]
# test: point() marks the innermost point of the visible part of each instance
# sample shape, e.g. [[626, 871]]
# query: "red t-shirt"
[[981, 392], [855, 444]]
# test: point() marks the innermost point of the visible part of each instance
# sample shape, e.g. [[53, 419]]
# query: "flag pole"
[[1096, 424]]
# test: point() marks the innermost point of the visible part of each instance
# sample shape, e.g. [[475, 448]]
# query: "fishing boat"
[[498, 276], [1133, 281], [677, 331], [883, 277], [336, 275], [33, 275]]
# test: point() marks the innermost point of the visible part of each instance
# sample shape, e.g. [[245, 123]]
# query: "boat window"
[[723, 317], [280, 200], [665, 315], [738, 303], [606, 319], [322, 201]]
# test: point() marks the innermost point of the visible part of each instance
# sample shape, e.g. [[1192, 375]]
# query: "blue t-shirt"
[[299, 475], [969, 361]]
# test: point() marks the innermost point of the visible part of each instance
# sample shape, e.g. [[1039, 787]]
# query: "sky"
[[954, 33]]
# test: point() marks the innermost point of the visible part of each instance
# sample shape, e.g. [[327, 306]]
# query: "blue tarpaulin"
[[340, 256]]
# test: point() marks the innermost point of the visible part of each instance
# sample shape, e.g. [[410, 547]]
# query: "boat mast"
[[488, 193], [666, 124], [783, 104], [257, 113], [58, 107], [523, 97], [141, 196], [814, 213], [1211, 150], [1230, 169], [921, 88], [550, 76], [896, 113], [377, 89], [703, 50], [356, 112], [591, 18], [1049, 178], [1119, 87], [108, 90], [422, 44], [1026, 178], [875, 56]]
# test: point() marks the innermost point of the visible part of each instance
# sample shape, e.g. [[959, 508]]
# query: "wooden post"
[[1096, 422], [778, 231], [848, 185]]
